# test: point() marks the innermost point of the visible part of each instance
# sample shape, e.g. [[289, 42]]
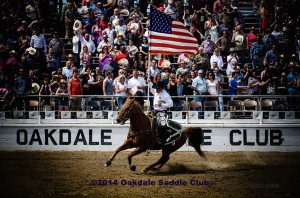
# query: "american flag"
[[168, 36]]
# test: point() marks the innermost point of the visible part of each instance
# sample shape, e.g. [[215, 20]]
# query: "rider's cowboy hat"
[[77, 25]]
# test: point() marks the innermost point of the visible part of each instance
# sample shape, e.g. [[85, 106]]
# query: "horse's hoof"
[[107, 163], [132, 167]]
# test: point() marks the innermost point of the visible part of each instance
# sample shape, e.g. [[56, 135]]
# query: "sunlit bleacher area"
[[258, 41]]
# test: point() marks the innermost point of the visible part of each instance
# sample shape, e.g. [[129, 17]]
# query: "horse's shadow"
[[175, 169]]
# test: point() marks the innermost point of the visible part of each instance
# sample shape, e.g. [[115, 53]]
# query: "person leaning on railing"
[[253, 83], [22, 88], [137, 86], [75, 88], [234, 85], [199, 87], [121, 91]]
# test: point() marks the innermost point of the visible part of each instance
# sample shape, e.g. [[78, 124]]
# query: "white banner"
[[110, 138]]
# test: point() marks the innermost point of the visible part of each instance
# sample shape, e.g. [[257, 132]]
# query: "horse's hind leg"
[[136, 151], [127, 144], [164, 158]]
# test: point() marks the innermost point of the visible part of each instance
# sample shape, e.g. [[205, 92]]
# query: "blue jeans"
[[120, 102], [241, 55], [257, 63], [221, 102], [58, 59], [199, 99], [176, 105]]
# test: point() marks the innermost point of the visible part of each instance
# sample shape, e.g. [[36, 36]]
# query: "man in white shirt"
[[153, 69], [171, 10], [216, 58], [86, 40], [68, 70], [137, 86], [105, 42], [232, 60], [162, 102]]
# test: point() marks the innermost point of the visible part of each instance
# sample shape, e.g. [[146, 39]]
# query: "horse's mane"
[[135, 102]]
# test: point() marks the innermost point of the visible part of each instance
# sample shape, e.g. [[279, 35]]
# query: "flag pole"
[[148, 99], [149, 55], [149, 61]]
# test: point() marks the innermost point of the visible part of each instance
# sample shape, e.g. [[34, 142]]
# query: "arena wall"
[[266, 138]]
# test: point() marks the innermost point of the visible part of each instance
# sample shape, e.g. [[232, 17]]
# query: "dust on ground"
[[82, 174]]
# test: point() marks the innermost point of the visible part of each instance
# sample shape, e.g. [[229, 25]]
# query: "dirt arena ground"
[[82, 174]]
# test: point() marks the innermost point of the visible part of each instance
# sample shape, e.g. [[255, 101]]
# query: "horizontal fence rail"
[[262, 109]]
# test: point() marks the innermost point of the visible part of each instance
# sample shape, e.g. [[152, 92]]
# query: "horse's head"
[[127, 110]]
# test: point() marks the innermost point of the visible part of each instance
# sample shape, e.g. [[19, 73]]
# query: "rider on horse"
[[163, 101]]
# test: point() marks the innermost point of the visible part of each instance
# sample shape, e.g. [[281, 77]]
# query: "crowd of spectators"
[[109, 50]]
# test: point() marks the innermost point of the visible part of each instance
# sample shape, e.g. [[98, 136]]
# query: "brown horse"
[[140, 136]]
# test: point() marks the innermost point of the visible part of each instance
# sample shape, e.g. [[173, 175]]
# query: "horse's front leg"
[[136, 151], [164, 158], [127, 144]]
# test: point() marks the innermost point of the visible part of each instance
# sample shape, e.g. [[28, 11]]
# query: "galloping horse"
[[140, 136]]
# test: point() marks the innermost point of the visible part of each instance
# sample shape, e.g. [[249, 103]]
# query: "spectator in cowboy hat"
[[32, 59]]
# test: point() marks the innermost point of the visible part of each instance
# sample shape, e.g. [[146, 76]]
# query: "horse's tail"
[[195, 139]]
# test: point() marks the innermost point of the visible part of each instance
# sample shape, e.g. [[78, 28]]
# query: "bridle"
[[124, 118]]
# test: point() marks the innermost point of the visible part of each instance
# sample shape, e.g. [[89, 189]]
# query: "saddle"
[[167, 131]]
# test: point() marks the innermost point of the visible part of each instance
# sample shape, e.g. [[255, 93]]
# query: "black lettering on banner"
[[91, 138], [231, 138], [49, 135], [61, 137], [206, 137], [19, 135], [246, 140], [78, 139], [265, 142], [35, 139], [275, 137], [103, 137]]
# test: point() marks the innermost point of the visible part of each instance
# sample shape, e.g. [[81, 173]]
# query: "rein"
[[124, 118]]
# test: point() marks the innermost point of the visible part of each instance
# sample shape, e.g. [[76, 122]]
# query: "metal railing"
[[94, 109]]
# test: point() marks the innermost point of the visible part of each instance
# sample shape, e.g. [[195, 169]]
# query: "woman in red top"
[[251, 37], [121, 53], [102, 22]]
